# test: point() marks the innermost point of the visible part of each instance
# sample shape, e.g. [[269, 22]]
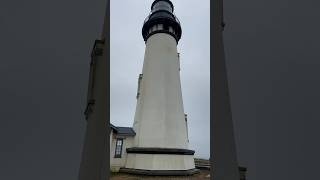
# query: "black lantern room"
[[162, 20]]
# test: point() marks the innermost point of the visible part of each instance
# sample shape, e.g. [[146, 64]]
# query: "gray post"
[[225, 166], [94, 163]]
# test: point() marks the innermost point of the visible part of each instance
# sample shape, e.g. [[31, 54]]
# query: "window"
[[186, 120], [154, 28], [170, 29], [139, 83], [118, 152], [178, 54]]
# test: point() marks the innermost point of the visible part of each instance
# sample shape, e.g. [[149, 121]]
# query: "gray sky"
[[127, 55], [272, 51]]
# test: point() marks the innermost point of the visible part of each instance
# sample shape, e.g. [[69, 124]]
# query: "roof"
[[113, 127], [125, 131], [168, 1]]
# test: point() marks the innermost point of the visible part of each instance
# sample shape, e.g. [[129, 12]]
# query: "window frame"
[[121, 147]]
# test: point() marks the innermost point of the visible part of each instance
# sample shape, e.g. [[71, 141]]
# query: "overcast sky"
[[127, 55], [273, 60]]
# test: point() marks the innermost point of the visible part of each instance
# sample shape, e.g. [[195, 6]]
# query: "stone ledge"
[[159, 172], [144, 150]]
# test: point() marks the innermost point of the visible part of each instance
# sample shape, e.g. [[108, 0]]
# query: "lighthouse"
[[160, 144]]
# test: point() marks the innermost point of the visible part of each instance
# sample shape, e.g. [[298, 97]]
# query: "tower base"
[[159, 161]]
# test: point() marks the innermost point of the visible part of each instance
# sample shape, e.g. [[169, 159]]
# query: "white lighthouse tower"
[[160, 146]]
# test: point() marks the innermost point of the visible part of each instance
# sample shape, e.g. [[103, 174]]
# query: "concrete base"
[[160, 162], [160, 172]]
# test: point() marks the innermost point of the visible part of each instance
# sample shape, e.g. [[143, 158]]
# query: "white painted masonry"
[[159, 119], [160, 162]]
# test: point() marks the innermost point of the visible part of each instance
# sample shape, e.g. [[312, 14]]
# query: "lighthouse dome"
[[162, 20], [162, 5]]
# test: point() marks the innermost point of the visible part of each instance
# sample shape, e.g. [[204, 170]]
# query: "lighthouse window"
[[160, 26], [170, 29], [154, 28], [186, 120], [139, 83], [119, 144]]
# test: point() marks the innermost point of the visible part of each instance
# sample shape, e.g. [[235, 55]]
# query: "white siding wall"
[[117, 163]]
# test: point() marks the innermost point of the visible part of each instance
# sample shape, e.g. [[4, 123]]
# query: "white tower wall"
[[159, 119]]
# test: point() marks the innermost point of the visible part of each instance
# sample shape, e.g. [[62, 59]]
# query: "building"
[[158, 141], [121, 138]]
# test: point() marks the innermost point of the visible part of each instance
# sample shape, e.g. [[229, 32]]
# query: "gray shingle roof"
[[125, 131]]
